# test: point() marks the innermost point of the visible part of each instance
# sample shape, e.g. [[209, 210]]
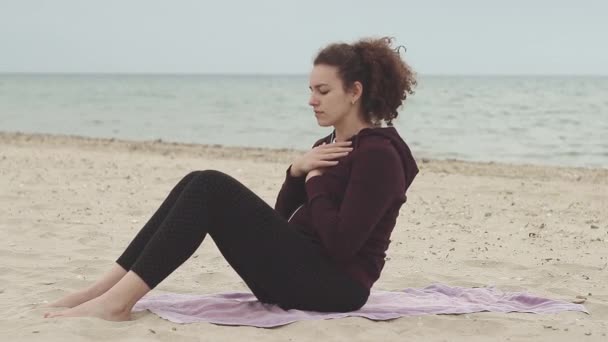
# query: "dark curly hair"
[[386, 78]]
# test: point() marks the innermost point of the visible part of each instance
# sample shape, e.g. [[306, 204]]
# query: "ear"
[[356, 91]]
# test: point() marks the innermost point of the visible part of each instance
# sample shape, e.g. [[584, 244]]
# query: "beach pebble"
[[580, 299], [594, 226]]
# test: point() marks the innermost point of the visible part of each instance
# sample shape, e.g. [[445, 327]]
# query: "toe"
[[53, 314]]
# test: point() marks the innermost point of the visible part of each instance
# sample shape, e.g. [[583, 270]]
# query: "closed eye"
[[323, 91]]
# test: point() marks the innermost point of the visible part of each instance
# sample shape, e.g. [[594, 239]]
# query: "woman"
[[323, 246]]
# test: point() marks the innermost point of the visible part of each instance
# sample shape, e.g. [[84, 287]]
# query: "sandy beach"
[[70, 205]]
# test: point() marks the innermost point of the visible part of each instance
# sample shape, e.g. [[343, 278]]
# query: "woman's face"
[[328, 99]]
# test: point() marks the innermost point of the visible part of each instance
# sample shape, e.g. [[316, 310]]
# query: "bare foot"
[[99, 307], [73, 299]]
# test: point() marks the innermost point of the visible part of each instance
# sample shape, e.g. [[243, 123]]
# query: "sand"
[[70, 205]]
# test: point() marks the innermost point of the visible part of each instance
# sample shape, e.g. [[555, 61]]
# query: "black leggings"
[[279, 264]]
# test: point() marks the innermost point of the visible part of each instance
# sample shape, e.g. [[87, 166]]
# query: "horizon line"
[[254, 74]]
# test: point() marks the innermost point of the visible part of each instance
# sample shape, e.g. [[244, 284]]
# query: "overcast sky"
[[282, 36]]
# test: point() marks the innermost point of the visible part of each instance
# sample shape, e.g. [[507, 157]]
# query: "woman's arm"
[[376, 183], [291, 195]]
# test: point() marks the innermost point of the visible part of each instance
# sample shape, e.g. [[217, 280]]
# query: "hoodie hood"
[[410, 168]]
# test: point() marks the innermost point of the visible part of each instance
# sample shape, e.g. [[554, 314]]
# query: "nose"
[[313, 101]]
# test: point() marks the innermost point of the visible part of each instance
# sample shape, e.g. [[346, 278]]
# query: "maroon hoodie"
[[352, 208]]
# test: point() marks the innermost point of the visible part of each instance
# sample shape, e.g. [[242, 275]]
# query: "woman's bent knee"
[[205, 174], [212, 182]]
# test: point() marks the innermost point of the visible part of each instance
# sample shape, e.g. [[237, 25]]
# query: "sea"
[[544, 120]]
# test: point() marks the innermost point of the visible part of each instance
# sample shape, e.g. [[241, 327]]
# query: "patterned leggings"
[[279, 264]]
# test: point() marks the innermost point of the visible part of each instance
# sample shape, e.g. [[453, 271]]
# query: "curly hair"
[[386, 78]]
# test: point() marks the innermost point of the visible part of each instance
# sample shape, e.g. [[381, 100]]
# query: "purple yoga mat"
[[245, 309]]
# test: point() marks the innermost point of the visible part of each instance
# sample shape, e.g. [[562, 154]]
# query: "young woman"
[[323, 245]]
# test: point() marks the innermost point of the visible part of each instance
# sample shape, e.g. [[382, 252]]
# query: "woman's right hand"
[[321, 156]]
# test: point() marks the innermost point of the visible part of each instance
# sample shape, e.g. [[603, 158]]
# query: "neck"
[[347, 128]]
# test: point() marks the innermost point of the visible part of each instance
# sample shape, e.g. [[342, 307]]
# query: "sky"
[[282, 36]]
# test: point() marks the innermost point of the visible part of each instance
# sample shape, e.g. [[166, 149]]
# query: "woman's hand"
[[320, 157]]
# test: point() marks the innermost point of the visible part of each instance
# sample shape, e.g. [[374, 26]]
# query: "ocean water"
[[548, 120]]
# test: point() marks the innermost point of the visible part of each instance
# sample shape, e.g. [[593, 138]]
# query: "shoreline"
[[158, 146]]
